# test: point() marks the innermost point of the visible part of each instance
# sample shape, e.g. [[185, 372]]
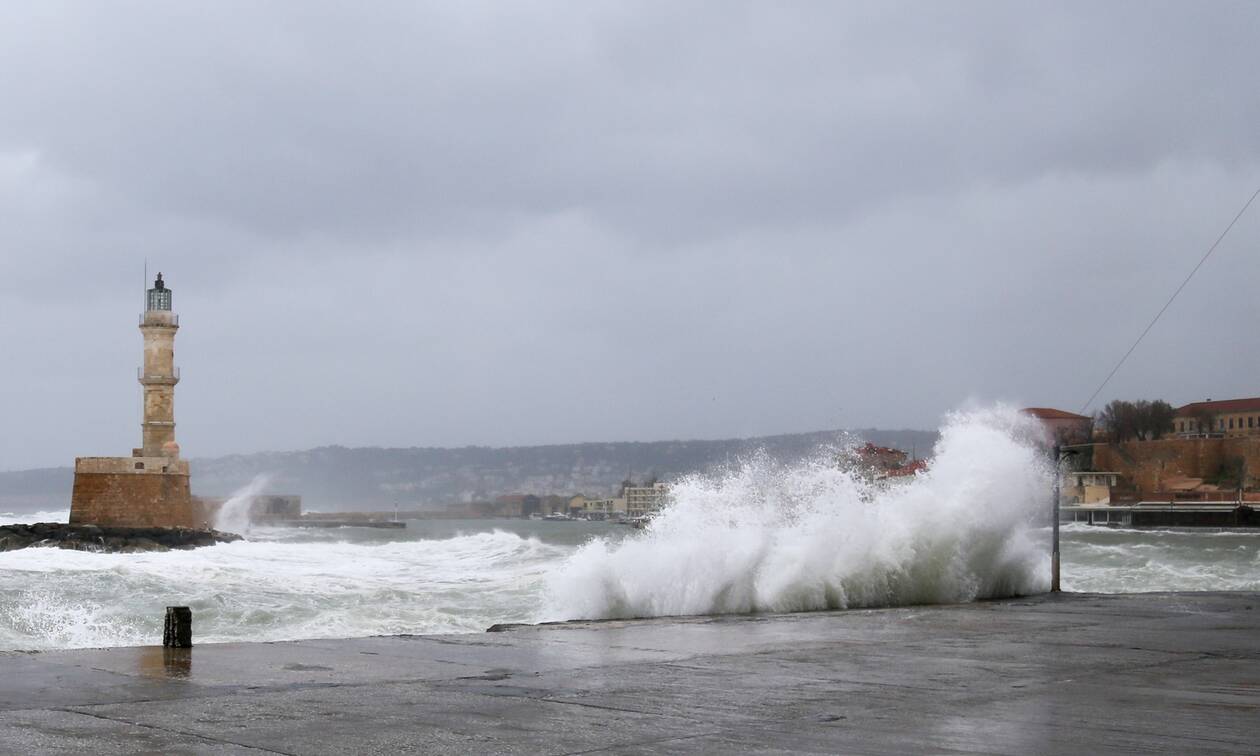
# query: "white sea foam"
[[272, 590], [1110, 560], [53, 515], [768, 538]]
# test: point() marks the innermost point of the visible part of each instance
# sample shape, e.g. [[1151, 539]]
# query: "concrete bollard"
[[178, 630]]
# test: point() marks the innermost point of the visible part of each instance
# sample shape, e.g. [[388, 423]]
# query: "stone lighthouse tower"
[[159, 374], [149, 488]]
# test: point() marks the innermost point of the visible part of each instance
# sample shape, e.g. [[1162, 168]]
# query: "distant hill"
[[334, 477]]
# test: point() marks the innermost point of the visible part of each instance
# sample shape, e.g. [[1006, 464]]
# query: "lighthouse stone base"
[[133, 492]]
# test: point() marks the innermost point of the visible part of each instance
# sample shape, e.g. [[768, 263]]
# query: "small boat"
[[557, 517]]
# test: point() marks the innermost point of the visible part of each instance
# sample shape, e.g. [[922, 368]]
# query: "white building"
[[1087, 488], [595, 509], [643, 500]]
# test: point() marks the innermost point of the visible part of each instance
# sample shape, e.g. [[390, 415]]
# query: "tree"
[[1155, 418], [1123, 420], [1204, 420], [1118, 420]]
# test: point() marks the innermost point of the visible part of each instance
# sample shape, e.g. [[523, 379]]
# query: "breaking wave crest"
[[770, 538]]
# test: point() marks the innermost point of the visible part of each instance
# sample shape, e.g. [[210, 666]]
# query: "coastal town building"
[[872, 462], [880, 459], [553, 504], [596, 509], [908, 470], [644, 500], [1088, 488], [1063, 427], [517, 505], [1229, 418]]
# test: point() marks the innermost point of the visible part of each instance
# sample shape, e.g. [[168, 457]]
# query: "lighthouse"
[[151, 487], [158, 375]]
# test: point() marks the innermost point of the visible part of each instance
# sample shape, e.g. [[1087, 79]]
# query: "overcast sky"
[[499, 224]]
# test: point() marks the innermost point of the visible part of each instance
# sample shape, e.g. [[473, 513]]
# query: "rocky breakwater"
[[112, 540]]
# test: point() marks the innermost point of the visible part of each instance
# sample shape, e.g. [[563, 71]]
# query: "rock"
[[107, 539], [144, 544]]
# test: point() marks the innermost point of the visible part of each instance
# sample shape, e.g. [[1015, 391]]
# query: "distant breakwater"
[[107, 539]]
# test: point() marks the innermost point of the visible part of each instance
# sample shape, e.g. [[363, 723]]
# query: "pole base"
[[178, 630]]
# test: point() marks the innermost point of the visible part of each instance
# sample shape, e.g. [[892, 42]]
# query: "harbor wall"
[[1148, 464]]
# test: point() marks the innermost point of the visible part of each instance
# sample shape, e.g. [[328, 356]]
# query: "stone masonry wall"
[[1149, 463], [133, 499]]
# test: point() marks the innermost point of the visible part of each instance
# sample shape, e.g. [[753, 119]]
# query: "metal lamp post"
[[1059, 456], [1054, 549]]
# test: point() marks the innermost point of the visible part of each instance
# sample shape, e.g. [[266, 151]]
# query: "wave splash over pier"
[[763, 537], [760, 536]]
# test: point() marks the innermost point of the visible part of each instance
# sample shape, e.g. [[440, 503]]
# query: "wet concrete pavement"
[[1072, 673]]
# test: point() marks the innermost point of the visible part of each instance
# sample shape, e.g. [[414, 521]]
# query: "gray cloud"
[[489, 224]]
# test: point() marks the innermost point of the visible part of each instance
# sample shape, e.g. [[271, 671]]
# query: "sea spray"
[[765, 537], [234, 515]]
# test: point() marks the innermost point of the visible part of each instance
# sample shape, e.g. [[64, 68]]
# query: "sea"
[[756, 536]]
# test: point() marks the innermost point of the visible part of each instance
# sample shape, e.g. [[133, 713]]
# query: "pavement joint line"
[[430, 684], [207, 738], [541, 696], [652, 741], [1112, 727], [1121, 646], [605, 707]]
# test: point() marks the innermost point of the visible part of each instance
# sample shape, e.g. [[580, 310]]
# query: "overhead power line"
[[1159, 314]]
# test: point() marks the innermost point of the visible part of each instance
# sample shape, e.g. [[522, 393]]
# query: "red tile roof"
[[1048, 413], [910, 469], [1224, 405]]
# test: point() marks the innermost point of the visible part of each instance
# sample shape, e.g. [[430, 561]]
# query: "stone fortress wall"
[[1149, 464], [134, 492]]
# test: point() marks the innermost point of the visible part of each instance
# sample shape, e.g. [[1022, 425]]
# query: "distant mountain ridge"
[[366, 478]]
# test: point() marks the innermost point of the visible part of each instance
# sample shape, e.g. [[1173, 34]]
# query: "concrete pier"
[[1163, 515], [1066, 673]]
